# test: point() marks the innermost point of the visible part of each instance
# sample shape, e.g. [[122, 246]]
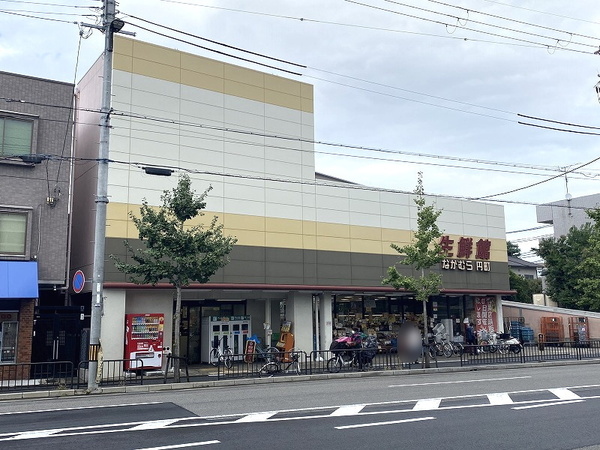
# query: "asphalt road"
[[531, 408]]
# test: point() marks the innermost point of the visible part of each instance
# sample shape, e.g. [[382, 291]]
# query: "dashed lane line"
[[189, 444], [376, 424], [478, 380], [541, 405]]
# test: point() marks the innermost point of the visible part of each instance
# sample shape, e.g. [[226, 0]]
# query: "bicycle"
[[291, 361], [346, 358], [267, 354], [216, 356]]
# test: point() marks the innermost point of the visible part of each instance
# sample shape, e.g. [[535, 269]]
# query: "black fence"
[[45, 375], [113, 372], [316, 362], [531, 352]]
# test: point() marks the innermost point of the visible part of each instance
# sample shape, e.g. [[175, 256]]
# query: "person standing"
[[470, 337]]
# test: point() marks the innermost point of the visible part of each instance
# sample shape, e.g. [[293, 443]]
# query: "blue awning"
[[19, 279]]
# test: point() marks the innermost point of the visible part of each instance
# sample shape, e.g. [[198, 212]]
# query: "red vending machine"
[[144, 340]]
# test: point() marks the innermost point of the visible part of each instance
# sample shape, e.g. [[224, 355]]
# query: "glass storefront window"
[[8, 342]]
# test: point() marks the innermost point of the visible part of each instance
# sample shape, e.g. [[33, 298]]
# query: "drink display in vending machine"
[[144, 341]]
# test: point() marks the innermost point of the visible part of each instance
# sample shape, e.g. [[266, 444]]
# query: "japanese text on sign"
[[464, 247], [466, 265]]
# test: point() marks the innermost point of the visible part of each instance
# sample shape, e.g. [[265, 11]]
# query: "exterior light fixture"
[[158, 171]]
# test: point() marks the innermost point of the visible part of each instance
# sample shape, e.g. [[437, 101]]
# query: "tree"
[[423, 253], [589, 267], [175, 251], [512, 249], [562, 259], [525, 287]]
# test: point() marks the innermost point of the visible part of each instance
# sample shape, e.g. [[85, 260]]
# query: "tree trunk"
[[176, 327], [425, 328]]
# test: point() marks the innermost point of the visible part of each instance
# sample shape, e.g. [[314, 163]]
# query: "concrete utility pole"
[[110, 25]]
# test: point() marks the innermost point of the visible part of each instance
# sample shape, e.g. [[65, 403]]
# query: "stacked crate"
[[552, 329]]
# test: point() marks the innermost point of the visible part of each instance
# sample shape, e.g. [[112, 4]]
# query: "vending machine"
[[144, 340]]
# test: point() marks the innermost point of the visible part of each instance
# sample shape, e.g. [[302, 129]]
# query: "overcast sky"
[[438, 94]]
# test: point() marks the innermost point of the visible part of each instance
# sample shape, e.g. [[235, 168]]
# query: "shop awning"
[[18, 279]]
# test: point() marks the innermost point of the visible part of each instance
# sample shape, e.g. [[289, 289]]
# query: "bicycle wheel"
[[448, 351], [214, 356], [227, 358], [503, 348], [459, 349], [268, 370], [296, 367], [271, 354], [334, 365]]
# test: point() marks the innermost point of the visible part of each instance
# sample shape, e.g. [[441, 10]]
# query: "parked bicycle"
[[267, 354], [217, 357], [283, 363]]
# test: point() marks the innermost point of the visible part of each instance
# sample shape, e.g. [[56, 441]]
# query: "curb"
[[283, 379]]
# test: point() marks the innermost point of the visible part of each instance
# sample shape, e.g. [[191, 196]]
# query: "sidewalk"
[[209, 372]]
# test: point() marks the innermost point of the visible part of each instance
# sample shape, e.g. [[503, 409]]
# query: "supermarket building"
[[311, 249]]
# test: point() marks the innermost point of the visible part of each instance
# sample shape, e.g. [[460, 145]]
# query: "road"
[[533, 408]]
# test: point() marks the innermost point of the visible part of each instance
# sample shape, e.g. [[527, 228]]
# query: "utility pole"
[[110, 26]]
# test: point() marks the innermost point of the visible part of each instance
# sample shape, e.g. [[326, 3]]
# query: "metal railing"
[[44, 375], [113, 372], [183, 366], [531, 352]]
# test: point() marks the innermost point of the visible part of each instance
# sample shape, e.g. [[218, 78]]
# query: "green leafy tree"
[[589, 268], [512, 249], [423, 253], [562, 258], [174, 251], [525, 287]]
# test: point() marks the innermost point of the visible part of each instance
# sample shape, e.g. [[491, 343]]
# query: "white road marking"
[[376, 424], [190, 444], [78, 408], [565, 394], [427, 404], [256, 417], [481, 380], [154, 424], [499, 399], [347, 410], [34, 434], [541, 405]]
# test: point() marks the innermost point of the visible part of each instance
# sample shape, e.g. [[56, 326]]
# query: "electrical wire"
[[215, 51], [47, 4], [459, 24], [36, 17], [529, 229], [541, 12], [564, 130], [215, 42], [468, 10], [541, 182], [449, 25], [194, 126]]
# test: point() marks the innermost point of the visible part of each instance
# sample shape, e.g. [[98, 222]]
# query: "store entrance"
[[191, 323]]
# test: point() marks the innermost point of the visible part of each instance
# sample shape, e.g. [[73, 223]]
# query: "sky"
[[421, 85]]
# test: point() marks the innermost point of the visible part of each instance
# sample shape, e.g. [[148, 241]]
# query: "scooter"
[[504, 344]]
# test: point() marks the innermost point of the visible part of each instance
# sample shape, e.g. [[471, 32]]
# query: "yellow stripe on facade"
[[257, 231], [154, 61]]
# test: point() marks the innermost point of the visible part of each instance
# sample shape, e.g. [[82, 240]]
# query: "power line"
[[36, 17], [542, 12], [467, 10], [47, 4], [214, 51], [564, 130], [529, 229], [316, 142], [447, 25], [218, 43], [541, 182]]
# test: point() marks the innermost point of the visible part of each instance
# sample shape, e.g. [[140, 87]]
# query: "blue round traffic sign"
[[78, 281]]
